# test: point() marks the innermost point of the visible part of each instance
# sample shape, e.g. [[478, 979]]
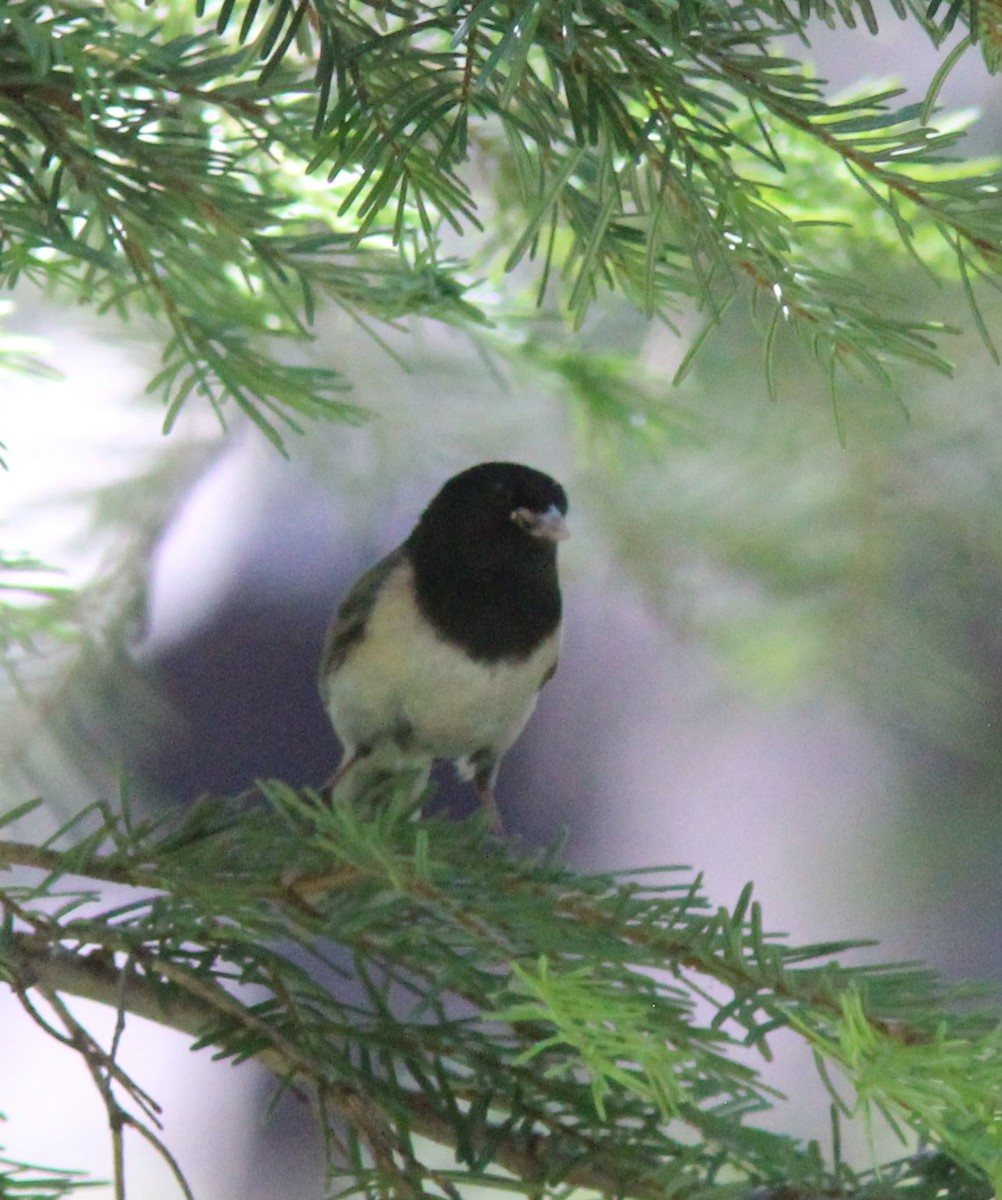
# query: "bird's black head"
[[484, 553], [497, 506]]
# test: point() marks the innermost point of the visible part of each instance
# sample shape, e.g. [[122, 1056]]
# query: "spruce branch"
[[228, 176], [535, 1021]]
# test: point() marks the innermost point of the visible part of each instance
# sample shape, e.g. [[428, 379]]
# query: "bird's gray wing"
[[348, 625]]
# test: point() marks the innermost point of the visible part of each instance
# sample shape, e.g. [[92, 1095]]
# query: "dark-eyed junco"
[[439, 650]]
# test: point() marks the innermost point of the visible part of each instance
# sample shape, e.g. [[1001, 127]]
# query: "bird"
[[438, 652]]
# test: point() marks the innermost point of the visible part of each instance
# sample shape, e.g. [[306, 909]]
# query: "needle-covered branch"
[[235, 165], [565, 1030]]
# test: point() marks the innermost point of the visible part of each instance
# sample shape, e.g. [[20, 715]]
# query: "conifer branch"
[[655, 145], [532, 1019], [192, 1009]]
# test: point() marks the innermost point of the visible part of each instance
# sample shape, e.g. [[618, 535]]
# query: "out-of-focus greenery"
[[23, 1181]]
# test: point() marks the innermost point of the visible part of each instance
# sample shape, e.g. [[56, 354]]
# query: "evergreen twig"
[[657, 150], [532, 1020]]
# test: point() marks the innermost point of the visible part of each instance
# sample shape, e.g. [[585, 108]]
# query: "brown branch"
[[172, 995], [196, 1011], [196, 1005], [98, 867], [300, 891]]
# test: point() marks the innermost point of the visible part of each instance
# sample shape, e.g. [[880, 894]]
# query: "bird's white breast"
[[402, 674]]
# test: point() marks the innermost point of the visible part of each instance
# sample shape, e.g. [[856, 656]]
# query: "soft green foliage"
[[17, 353], [226, 167], [561, 1029], [23, 1181], [30, 605]]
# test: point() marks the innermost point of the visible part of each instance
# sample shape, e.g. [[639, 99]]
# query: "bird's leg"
[[483, 782], [300, 887], [344, 766]]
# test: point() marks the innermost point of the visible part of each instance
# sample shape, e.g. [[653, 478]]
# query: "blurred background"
[[783, 658]]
